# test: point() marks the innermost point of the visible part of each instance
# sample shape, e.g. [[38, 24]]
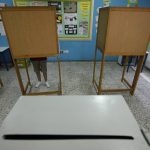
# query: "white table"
[[78, 115]]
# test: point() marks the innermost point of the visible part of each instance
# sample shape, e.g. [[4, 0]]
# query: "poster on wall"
[[70, 21], [37, 3], [106, 3], [57, 4], [59, 24], [73, 17], [83, 23], [1, 6], [22, 3], [2, 30], [83, 28], [59, 18], [70, 7], [70, 18], [132, 3]]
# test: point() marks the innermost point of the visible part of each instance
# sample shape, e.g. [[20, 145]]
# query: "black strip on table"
[[64, 137]]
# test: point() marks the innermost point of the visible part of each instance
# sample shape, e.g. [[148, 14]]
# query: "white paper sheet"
[[2, 30]]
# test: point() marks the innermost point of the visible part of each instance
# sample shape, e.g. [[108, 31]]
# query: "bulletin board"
[[31, 31], [74, 18], [2, 30], [132, 3]]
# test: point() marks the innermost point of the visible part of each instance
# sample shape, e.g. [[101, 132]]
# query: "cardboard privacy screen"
[[123, 31], [31, 31]]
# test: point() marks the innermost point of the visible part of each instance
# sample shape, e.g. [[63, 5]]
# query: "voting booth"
[[31, 33], [122, 32]]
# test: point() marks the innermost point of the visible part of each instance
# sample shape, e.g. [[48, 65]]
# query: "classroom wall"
[[82, 50]]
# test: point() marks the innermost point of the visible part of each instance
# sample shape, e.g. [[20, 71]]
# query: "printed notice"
[[73, 17], [106, 3], [2, 30], [70, 21]]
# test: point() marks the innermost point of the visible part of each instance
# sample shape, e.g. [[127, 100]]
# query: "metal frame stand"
[[25, 89], [1, 83], [131, 88]]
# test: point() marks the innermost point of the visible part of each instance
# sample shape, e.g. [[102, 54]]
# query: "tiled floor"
[[77, 80]]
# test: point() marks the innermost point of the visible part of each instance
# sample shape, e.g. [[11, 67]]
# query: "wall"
[[3, 39], [82, 50]]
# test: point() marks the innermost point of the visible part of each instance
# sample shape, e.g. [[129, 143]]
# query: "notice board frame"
[[71, 38]]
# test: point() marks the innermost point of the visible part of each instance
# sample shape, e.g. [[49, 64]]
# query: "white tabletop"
[[3, 49], [94, 115]]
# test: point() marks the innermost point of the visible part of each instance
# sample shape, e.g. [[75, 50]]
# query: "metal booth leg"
[[1, 83], [28, 77], [137, 73], [27, 72], [101, 75], [19, 77], [124, 68], [59, 71], [94, 65]]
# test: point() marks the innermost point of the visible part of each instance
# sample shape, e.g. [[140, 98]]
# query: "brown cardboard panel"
[[102, 28], [128, 31], [31, 31]]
